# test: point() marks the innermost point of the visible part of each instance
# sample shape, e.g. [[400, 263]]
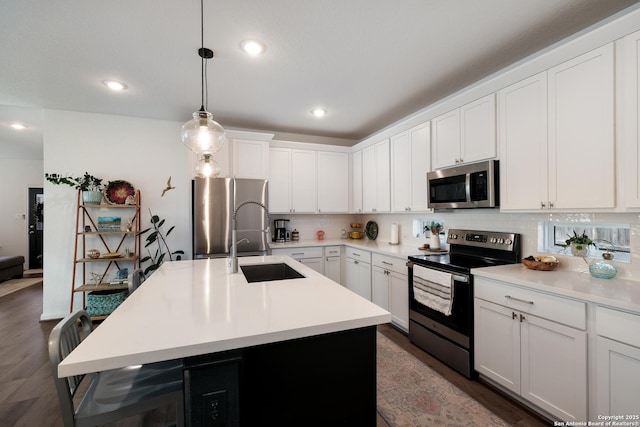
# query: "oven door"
[[456, 327]]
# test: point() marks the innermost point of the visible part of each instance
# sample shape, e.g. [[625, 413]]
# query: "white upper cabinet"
[[279, 179], [522, 119], [333, 182], [292, 181], [629, 137], [303, 181], [465, 135], [410, 162], [356, 182], [308, 181], [581, 131], [376, 177], [250, 158], [557, 137]]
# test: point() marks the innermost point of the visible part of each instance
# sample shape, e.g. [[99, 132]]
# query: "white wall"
[[16, 176], [142, 151]]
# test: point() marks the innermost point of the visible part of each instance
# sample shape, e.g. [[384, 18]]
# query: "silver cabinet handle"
[[518, 299], [550, 205], [542, 205], [355, 254], [298, 253], [387, 263]]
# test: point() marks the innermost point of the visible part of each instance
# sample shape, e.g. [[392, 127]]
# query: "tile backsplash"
[[527, 224]]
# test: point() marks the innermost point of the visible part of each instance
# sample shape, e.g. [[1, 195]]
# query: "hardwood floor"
[[28, 397]]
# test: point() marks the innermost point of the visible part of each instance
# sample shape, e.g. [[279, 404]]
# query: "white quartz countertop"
[[616, 293], [188, 308]]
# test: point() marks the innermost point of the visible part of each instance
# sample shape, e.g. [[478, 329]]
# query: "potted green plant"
[[579, 244], [435, 228], [157, 236], [90, 185]]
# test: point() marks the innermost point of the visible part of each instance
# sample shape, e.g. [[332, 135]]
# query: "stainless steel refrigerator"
[[214, 201]]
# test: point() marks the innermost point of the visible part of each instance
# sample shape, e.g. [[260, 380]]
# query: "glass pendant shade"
[[202, 134], [207, 167]]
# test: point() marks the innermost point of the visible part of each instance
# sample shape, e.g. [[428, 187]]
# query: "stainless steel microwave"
[[468, 186]]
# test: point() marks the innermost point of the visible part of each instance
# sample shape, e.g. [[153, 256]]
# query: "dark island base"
[[316, 381]]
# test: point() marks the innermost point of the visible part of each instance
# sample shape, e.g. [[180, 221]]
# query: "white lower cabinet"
[[358, 271], [309, 256], [533, 345], [333, 263], [390, 288], [618, 363]]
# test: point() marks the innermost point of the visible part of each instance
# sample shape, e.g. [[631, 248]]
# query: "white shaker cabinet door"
[[400, 172], [250, 159], [581, 131], [420, 138], [618, 377], [497, 344], [279, 180], [522, 118], [356, 182], [399, 299], [629, 138], [554, 367], [478, 130], [303, 181], [333, 182], [445, 150]]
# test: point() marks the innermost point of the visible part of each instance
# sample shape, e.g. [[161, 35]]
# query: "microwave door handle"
[[467, 186]]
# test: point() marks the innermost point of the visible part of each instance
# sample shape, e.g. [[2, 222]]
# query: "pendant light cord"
[[202, 59]]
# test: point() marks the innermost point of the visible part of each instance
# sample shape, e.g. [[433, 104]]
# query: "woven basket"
[[102, 303], [540, 265]]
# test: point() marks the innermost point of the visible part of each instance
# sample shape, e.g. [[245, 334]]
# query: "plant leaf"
[[171, 229], [160, 224], [155, 219]]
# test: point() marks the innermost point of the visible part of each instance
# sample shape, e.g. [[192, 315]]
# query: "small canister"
[[295, 235], [320, 235]]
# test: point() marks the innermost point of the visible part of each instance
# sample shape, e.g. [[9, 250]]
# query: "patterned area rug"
[[10, 286], [412, 394]]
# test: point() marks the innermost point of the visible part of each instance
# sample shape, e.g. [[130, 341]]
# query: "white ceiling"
[[369, 62]]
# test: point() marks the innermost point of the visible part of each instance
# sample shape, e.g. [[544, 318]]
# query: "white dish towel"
[[433, 289]]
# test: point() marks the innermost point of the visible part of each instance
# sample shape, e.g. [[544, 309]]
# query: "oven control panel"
[[485, 239]]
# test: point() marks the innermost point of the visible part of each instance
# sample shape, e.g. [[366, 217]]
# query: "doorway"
[[36, 227]]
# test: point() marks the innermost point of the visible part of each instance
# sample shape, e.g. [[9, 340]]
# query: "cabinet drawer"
[[299, 252], [330, 251], [359, 254], [557, 309], [398, 265], [618, 325]]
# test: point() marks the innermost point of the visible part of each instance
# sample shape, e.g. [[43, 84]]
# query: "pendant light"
[[207, 167], [202, 134]]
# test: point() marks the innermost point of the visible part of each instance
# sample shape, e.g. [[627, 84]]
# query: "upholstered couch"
[[11, 267]]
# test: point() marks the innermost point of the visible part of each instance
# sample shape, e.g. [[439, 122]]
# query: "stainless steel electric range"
[[441, 293]]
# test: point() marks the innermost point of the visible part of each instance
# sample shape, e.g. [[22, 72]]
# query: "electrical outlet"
[[21, 217], [214, 408]]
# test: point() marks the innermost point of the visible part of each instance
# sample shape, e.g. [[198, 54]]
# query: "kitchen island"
[[285, 352]]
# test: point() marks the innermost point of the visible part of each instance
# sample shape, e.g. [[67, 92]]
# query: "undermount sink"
[[269, 272]]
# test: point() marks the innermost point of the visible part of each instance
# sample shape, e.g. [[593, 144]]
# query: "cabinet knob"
[[513, 315], [550, 205], [521, 318], [542, 205]]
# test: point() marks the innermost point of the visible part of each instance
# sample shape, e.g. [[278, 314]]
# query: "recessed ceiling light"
[[18, 126], [319, 112], [114, 85], [252, 47]]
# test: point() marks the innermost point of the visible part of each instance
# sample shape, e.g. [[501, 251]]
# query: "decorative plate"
[[117, 192], [371, 230]]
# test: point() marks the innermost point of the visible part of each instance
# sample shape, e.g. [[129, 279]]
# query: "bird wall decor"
[[169, 187]]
